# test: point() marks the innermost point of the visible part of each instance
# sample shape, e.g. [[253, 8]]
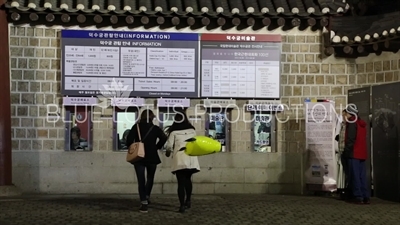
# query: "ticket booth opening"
[[167, 109], [78, 128], [125, 115], [263, 129], [217, 124]]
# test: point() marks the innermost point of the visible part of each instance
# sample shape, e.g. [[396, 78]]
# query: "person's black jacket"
[[150, 142]]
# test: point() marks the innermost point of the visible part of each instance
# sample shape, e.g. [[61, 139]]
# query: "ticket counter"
[[263, 129], [125, 115], [78, 123], [218, 120]]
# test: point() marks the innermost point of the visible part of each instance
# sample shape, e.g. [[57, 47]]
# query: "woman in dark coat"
[[149, 134]]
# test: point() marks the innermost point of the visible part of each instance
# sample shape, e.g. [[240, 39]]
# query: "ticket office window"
[[218, 128], [264, 132], [78, 128], [123, 120]]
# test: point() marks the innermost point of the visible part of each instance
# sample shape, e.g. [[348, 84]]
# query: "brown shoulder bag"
[[136, 150]]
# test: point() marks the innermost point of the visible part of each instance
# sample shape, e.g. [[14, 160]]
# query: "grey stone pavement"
[[206, 209]]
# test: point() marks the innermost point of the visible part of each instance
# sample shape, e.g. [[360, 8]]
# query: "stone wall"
[[373, 70], [42, 165]]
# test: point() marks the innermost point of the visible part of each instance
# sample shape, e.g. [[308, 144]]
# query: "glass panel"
[[262, 133], [125, 121], [217, 128], [79, 138]]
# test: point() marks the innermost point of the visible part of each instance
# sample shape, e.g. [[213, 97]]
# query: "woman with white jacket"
[[183, 166]]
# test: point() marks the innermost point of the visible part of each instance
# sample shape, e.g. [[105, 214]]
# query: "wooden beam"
[[160, 20], [129, 19], [5, 103], [375, 47], [65, 18], [392, 46], [324, 21], [175, 21], [81, 18], [266, 22], [311, 22], [360, 49], [190, 21], [236, 21], [250, 22], [113, 19], [15, 16], [50, 17], [348, 50], [205, 21], [98, 19], [281, 21], [261, 23], [221, 21], [329, 51], [295, 22], [34, 17], [144, 20]]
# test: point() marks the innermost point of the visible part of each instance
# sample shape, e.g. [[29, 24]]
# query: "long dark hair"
[[147, 116], [181, 122]]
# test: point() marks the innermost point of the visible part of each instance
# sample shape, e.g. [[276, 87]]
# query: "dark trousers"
[[145, 185], [185, 186], [345, 165], [358, 178]]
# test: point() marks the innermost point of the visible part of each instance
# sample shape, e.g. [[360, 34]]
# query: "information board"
[[144, 64], [240, 66]]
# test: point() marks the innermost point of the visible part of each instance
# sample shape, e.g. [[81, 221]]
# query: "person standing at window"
[[149, 133], [183, 166], [356, 153]]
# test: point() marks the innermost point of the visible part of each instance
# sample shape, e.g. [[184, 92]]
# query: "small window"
[[218, 128], [78, 129], [263, 132], [123, 122]]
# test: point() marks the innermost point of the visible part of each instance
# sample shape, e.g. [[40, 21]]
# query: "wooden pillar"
[[5, 112]]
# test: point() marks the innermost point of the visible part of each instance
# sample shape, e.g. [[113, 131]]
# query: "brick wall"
[[41, 165], [378, 69]]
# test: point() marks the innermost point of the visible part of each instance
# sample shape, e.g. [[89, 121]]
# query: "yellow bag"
[[201, 145]]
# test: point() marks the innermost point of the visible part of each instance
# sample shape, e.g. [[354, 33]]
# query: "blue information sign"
[[129, 64]]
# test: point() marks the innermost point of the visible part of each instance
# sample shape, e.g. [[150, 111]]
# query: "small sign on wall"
[[173, 102], [228, 103], [127, 102], [263, 105], [79, 101]]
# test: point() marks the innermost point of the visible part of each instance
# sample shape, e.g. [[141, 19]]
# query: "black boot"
[[188, 204], [182, 209]]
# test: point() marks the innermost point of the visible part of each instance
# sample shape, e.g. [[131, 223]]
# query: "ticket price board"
[[145, 64], [240, 66]]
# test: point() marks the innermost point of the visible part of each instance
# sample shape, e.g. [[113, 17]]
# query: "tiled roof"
[[364, 29], [206, 8]]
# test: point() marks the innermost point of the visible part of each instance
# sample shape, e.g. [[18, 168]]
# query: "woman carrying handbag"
[[146, 132]]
